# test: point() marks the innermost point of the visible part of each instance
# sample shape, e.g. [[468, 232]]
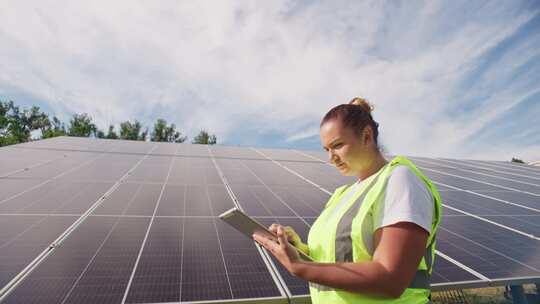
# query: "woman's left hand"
[[281, 249]]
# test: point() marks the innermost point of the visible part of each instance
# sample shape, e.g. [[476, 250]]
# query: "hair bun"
[[362, 102]]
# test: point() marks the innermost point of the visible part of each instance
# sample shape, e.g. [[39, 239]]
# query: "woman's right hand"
[[292, 236]]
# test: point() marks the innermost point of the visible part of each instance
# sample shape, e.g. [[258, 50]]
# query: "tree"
[[5, 137], [132, 130], [111, 134], [16, 126], [204, 138], [143, 135], [81, 125], [162, 132], [53, 129], [517, 160], [100, 134]]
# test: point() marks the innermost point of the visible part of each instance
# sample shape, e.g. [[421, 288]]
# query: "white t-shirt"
[[407, 199]]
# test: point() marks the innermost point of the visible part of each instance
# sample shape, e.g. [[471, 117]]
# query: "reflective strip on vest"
[[344, 250], [421, 280]]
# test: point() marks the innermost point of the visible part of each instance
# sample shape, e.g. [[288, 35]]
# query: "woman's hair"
[[355, 115]]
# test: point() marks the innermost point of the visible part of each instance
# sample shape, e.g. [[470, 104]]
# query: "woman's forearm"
[[367, 277]]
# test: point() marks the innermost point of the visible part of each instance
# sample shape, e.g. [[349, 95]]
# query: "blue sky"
[[450, 79]]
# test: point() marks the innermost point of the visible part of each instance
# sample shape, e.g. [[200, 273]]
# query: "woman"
[[375, 240]]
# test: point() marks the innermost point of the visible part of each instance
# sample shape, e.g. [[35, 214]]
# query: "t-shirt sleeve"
[[407, 199]]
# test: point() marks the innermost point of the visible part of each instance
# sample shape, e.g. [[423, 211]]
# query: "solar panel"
[[110, 221]]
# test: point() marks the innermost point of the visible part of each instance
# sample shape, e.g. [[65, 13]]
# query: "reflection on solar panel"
[[110, 221]]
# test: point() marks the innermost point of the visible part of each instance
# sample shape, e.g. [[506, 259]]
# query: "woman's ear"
[[367, 135]]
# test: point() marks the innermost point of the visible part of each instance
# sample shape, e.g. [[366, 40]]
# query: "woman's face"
[[349, 152]]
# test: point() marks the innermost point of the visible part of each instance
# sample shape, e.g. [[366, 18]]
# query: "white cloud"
[[269, 66], [307, 133]]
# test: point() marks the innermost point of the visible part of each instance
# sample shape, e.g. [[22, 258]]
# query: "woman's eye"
[[337, 146]]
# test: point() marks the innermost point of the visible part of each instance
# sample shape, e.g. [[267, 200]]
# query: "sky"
[[456, 79]]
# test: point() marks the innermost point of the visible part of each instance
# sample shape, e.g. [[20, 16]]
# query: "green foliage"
[[163, 132], [5, 138], [100, 134], [204, 138], [81, 125], [132, 130], [53, 129], [517, 160], [111, 134], [16, 125]]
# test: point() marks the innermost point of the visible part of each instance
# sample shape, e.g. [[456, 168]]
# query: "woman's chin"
[[343, 170]]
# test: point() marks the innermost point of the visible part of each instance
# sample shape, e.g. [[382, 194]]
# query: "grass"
[[488, 295]]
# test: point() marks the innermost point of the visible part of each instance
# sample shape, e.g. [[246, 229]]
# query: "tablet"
[[248, 226]]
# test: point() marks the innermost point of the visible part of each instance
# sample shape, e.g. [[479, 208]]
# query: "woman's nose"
[[332, 156]]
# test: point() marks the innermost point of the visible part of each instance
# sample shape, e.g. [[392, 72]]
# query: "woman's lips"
[[340, 165]]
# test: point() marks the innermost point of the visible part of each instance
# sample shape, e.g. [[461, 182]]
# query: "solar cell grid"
[[301, 199], [106, 276], [200, 151], [158, 275], [204, 275], [193, 171], [529, 170], [519, 198], [119, 200], [10, 187], [173, 201], [490, 250], [526, 223], [320, 155], [91, 266], [491, 178], [271, 174], [283, 155], [248, 275], [447, 272], [144, 201], [26, 241], [150, 173], [481, 205], [499, 172], [236, 173], [72, 143], [168, 149], [13, 226], [219, 199], [234, 152], [197, 201], [462, 184], [259, 201], [16, 160], [55, 197], [325, 176], [190, 256], [103, 170], [52, 169]]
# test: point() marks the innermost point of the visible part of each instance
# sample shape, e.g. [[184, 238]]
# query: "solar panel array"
[[110, 221]]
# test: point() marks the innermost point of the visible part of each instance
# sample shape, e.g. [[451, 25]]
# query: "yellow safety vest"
[[336, 236]]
